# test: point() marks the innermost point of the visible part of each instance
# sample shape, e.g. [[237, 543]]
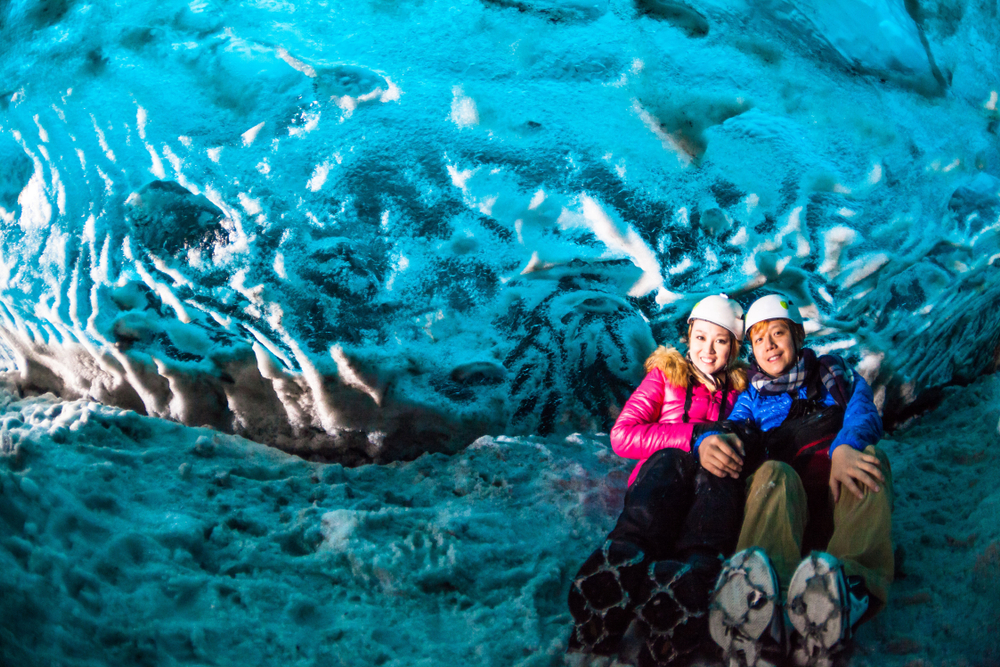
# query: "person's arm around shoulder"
[[638, 432], [850, 466]]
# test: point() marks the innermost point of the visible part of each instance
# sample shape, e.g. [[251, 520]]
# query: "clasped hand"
[[722, 455]]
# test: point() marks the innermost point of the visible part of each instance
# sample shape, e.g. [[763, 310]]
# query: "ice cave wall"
[[359, 231]]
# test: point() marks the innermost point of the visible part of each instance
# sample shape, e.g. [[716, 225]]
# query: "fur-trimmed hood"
[[677, 369]]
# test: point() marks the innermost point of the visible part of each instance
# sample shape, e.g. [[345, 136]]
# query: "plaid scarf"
[[834, 373]]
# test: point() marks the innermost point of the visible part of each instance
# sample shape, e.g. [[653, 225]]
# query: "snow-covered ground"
[[129, 540], [132, 540]]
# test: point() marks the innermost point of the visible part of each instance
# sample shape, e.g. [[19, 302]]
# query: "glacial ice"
[[362, 231], [359, 235]]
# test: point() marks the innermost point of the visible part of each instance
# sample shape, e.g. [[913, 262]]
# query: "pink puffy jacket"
[[652, 418]]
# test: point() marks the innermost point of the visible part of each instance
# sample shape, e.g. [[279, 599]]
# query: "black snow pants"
[[658, 564], [676, 509]]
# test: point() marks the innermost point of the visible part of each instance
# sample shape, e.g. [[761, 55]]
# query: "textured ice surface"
[[873, 36], [362, 231], [128, 540]]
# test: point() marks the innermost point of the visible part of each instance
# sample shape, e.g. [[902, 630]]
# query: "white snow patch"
[[157, 167], [536, 200], [619, 237], [102, 140], [42, 134], [350, 377], [463, 109], [864, 267], [250, 204], [250, 135], [140, 122], [318, 177], [835, 240]]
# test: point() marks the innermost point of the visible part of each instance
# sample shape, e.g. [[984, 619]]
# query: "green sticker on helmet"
[[783, 305]]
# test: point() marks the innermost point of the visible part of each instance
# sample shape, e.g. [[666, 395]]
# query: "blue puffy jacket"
[[862, 424]]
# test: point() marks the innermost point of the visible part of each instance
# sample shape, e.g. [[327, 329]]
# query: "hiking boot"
[[745, 617], [823, 607], [674, 616], [602, 597]]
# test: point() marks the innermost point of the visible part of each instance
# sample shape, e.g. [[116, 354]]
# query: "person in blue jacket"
[[814, 557]]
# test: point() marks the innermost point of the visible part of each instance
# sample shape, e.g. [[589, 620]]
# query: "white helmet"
[[772, 307], [721, 310]]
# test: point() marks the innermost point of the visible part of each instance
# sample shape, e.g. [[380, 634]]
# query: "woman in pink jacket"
[[683, 509]]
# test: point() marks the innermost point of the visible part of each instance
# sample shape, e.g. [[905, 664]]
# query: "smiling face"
[[710, 346], [773, 346]]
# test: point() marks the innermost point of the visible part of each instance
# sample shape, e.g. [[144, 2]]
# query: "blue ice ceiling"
[[363, 230]]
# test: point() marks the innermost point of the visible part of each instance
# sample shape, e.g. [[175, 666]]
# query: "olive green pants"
[[776, 517]]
